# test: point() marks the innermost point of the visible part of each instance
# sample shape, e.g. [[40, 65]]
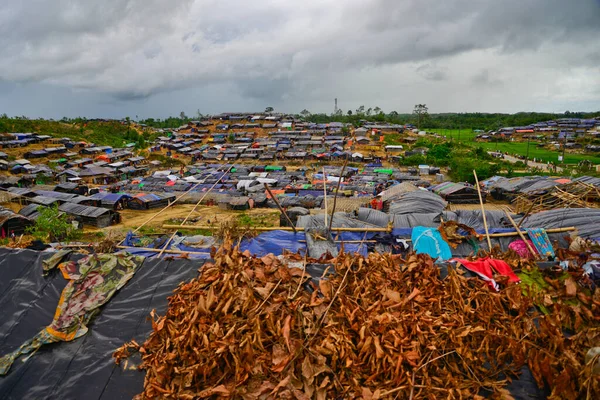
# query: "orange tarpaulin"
[[103, 157], [562, 181], [275, 192]]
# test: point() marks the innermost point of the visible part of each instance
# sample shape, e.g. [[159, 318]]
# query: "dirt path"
[[542, 166], [131, 219]]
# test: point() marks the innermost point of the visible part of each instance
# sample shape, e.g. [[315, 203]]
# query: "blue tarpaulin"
[[274, 242]]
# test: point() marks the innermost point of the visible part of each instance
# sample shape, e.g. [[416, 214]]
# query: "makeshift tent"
[[12, 223], [93, 216]]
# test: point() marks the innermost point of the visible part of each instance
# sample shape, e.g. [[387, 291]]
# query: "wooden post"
[[531, 250], [325, 196], [280, 208], [487, 233], [337, 190], [194, 209]]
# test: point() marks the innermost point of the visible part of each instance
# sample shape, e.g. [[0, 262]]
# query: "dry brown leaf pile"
[[379, 327]]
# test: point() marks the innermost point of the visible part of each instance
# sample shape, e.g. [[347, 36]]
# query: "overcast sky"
[[155, 58]]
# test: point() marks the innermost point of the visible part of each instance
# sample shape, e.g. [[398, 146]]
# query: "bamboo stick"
[[336, 194], [285, 228], [162, 210], [485, 225], [277, 228], [531, 250], [325, 196], [280, 208], [149, 249], [194, 209]]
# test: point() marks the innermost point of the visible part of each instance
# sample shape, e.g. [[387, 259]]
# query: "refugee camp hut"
[[509, 188], [35, 154], [45, 201], [457, 193], [3, 156], [147, 201], [92, 216], [30, 211], [97, 175], [112, 201], [394, 148], [21, 192], [71, 187], [11, 222], [416, 202], [238, 203]]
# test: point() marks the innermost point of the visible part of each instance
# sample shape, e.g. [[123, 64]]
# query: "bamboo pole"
[[337, 190], [161, 211], [149, 249], [526, 214], [285, 228], [531, 250], [280, 208], [325, 196], [278, 228], [485, 225], [194, 209]]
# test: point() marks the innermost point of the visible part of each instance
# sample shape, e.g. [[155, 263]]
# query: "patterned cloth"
[[92, 282], [541, 241], [520, 247]]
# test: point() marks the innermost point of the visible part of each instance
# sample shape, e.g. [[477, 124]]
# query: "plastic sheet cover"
[[83, 368], [586, 220], [274, 242], [419, 201]]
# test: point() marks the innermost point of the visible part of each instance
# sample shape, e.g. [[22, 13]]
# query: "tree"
[[377, 110], [338, 112], [53, 225], [360, 110], [182, 115], [421, 111], [269, 110], [305, 113], [394, 114], [349, 113]]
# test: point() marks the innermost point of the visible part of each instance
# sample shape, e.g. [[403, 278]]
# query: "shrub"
[[53, 225]]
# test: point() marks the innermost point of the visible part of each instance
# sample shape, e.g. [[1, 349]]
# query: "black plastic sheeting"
[[586, 220], [83, 368], [419, 201]]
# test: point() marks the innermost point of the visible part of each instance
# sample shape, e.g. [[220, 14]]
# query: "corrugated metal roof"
[[83, 211]]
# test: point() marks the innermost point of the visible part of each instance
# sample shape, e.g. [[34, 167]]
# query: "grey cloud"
[[432, 72], [279, 52], [484, 78]]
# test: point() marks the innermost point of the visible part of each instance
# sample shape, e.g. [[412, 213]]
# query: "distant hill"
[[103, 133]]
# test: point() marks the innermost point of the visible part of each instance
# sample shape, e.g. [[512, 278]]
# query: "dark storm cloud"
[[282, 52]]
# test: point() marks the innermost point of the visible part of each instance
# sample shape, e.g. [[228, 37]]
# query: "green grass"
[[111, 133], [466, 136]]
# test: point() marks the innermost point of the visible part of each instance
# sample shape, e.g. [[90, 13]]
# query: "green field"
[[466, 136]]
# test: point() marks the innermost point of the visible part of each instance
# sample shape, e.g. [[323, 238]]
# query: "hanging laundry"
[[519, 247], [485, 267], [92, 282], [541, 241], [429, 241]]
